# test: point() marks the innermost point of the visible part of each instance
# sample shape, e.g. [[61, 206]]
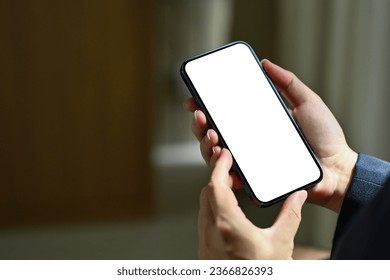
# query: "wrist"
[[344, 169]]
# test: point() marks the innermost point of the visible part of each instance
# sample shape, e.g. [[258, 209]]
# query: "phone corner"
[[183, 67]]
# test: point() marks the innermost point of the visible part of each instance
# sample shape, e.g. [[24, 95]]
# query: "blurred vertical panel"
[[75, 105], [257, 23]]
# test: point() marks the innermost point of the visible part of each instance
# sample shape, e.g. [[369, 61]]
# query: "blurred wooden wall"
[[75, 105]]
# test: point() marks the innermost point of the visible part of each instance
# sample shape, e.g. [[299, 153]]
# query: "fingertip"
[[264, 60], [302, 196], [268, 65], [213, 158], [190, 105], [196, 115], [227, 158], [216, 150], [278, 75], [295, 200], [225, 152], [299, 197], [213, 137], [220, 157], [289, 217], [200, 119]]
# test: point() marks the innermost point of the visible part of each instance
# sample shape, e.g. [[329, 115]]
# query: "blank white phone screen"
[[256, 128]]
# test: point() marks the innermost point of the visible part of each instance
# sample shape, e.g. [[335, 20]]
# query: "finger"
[[289, 217], [190, 105], [221, 169], [216, 153], [234, 177], [222, 199], [199, 125], [207, 143], [288, 84]]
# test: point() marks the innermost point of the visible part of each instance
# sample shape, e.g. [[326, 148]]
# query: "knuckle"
[[225, 229], [295, 214], [231, 239]]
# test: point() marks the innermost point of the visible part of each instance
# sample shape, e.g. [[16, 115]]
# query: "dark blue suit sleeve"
[[366, 205]]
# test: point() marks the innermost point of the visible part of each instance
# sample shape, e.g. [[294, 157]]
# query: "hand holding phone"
[[241, 103]]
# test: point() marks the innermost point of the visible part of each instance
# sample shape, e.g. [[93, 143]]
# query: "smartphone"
[[269, 151]]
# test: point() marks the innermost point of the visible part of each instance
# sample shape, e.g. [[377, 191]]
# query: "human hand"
[[225, 232], [317, 123]]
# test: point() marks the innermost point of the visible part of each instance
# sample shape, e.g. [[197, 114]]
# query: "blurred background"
[[97, 159]]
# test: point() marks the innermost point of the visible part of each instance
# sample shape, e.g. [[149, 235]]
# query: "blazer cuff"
[[370, 175]]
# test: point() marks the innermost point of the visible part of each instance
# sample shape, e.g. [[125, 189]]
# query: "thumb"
[[289, 217]]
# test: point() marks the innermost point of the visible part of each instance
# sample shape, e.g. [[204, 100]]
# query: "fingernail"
[[195, 115], [302, 195], [213, 148], [264, 60], [208, 135]]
